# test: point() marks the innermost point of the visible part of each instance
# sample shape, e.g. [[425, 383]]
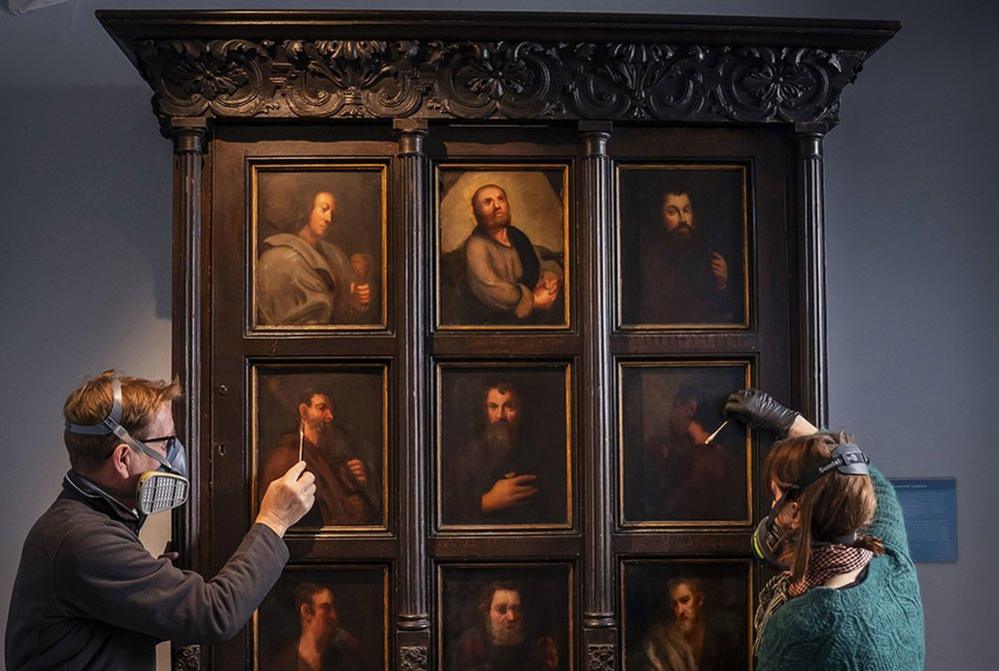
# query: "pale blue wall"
[[912, 231]]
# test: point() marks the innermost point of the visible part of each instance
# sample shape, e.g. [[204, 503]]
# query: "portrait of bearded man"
[[512, 470], [503, 248], [506, 636], [346, 491], [688, 640], [683, 236]]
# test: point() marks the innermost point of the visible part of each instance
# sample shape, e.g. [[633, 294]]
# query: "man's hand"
[[544, 298], [287, 499], [508, 492], [356, 468], [360, 295], [759, 410], [169, 553], [550, 281], [719, 268], [549, 652]]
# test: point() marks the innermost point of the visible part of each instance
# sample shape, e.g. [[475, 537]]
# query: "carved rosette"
[[496, 80], [227, 78], [413, 658], [600, 657], [794, 85]]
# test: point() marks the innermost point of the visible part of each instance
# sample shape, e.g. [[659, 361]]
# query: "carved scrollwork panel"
[[220, 77], [497, 80], [794, 85], [367, 78], [643, 81], [504, 79]]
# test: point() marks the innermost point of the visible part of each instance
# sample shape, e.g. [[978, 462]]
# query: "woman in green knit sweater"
[[847, 599]]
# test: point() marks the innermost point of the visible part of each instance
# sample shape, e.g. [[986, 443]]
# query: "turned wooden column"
[[413, 622], [596, 322], [190, 143], [811, 368]]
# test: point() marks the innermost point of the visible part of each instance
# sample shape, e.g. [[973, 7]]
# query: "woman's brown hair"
[[833, 506]]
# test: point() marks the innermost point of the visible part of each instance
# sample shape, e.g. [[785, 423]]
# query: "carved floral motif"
[[220, 77], [498, 80], [350, 78], [785, 84], [505, 79]]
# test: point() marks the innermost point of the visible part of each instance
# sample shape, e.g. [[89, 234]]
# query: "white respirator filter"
[[159, 491]]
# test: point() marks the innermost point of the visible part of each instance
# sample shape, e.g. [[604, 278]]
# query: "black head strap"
[[847, 458]]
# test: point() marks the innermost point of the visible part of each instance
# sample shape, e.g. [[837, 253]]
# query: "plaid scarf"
[[826, 562]]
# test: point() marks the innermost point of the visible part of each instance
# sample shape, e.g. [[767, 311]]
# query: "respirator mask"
[[158, 490], [768, 537]]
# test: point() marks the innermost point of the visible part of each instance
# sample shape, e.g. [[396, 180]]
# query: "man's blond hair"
[[91, 402]]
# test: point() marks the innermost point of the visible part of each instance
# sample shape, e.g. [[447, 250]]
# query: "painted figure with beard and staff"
[[345, 494], [503, 475], [505, 639]]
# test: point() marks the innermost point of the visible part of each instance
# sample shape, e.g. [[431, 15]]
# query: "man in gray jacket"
[[87, 594]]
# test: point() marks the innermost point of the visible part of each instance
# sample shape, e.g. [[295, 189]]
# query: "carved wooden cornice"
[[293, 65]]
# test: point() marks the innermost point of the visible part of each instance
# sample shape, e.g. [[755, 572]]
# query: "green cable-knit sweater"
[[875, 625]]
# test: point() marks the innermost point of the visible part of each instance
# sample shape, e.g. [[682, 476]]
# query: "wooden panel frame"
[[622, 166], [327, 531], [571, 422], [634, 525], [257, 165], [443, 567], [386, 597], [568, 216]]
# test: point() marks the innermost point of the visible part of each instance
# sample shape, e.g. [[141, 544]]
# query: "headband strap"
[[108, 425], [111, 424], [847, 458]]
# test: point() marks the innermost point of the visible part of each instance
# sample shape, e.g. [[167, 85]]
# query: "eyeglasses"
[[170, 441]]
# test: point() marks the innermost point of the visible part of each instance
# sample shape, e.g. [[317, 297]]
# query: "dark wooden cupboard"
[[600, 131]]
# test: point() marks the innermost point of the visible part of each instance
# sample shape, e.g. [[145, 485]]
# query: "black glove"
[[759, 410]]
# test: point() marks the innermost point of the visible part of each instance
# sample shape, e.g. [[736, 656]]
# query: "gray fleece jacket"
[[89, 596]]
